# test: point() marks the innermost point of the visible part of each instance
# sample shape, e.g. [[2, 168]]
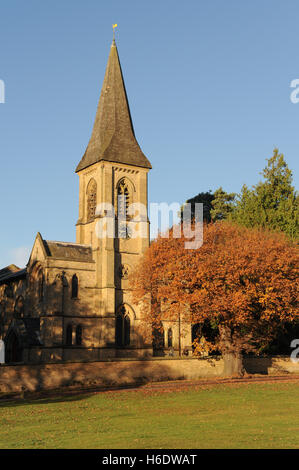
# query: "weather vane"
[[114, 26]]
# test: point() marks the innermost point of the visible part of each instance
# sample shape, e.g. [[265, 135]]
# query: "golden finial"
[[114, 26]]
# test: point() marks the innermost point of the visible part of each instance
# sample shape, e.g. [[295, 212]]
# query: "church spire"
[[113, 138]]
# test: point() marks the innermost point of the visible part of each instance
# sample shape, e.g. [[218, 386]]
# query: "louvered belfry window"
[[91, 200], [123, 199]]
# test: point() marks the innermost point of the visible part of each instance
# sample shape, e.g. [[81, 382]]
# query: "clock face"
[[124, 231]]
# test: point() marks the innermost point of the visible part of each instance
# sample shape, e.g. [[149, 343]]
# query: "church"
[[72, 301]]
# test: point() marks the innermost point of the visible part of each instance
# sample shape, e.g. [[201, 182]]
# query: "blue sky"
[[208, 84]]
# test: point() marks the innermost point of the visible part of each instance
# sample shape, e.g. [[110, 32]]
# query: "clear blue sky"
[[208, 83]]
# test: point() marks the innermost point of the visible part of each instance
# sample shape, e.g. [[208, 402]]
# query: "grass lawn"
[[264, 415]]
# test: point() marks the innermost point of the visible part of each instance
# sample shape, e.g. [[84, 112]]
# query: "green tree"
[[222, 204], [216, 206], [272, 203], [206, 199]]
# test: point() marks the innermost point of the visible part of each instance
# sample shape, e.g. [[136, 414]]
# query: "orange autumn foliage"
[[244, 281]]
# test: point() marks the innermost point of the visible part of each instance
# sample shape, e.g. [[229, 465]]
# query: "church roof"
[[113, 138], [68, 251], [11, 272]]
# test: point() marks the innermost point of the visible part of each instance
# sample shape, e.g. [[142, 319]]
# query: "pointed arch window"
[[123, 199], [158, 337], [91, 199], [41, 286], [79, 334], [75, 287], [13, 348], [19, 307], [8, 291], [123, 327], [69, 335]]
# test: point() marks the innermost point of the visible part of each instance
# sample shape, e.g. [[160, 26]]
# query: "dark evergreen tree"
[[272, 203]]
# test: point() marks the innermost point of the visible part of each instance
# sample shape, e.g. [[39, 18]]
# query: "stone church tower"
[[113, 174]]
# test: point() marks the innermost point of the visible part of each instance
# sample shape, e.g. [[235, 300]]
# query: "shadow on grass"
[[58, 398], [57, 395]]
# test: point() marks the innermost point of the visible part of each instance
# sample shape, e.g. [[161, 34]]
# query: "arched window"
[[75, 286], [158, 338], [8, 291], [127, 327], [69, 335], [91, 199], [196, 334], [123, 199], [19, 307], [123, 327], [41, 286], [79, 332], [169, 338], [13, 349]]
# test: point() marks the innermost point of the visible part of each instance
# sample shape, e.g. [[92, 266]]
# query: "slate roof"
[[10, 273], [113, 138], [68, 251]]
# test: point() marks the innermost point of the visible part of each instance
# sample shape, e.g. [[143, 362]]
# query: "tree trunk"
[[233, 364], [232, 356]]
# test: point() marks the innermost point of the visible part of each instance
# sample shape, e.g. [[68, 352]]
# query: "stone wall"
[[22, 378]]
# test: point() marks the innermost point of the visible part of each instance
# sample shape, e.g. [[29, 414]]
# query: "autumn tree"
[[243, 281]]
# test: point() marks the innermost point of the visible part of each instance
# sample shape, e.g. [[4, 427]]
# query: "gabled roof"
[[43, 249], [12, 268], [10, 273], [113, 138], [68, 251]]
